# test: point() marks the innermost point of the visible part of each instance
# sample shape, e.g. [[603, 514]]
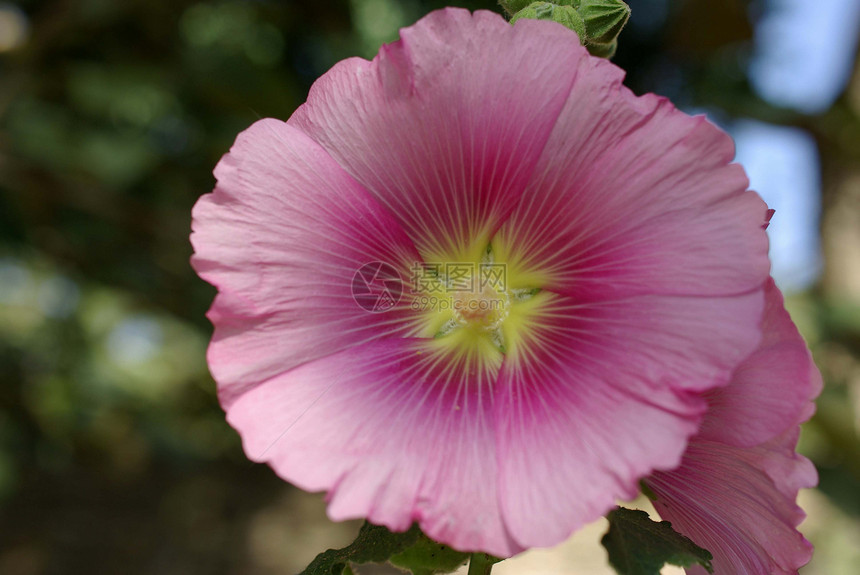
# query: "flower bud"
[[604, 19], [564, 15]]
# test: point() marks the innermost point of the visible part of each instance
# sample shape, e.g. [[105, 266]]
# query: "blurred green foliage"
[[114, 454]]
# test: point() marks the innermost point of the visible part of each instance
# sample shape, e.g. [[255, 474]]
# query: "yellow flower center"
[[486, 308], [475, 313]]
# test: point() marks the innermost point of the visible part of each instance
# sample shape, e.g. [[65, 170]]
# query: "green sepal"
[[564, 15], [426, 557], [647, 491], [602, 50], [514, 6], [604, 19], [638, 545], [374, 544]]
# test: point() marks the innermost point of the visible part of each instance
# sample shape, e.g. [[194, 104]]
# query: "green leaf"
[[639, 546], [374, 544], [482, 563], [426, 557]]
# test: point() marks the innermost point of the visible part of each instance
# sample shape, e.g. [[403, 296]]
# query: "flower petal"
[[725, 499], [566, 455], [282, 237], [445, 126], [632, 196], [770, 390], [735, 490], [395, 431], [593, 398]]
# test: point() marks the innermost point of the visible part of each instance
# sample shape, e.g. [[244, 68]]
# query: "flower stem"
[[480, 564]]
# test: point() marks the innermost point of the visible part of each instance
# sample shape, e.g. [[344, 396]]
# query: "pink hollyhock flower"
[[735, 490], [634, 263]]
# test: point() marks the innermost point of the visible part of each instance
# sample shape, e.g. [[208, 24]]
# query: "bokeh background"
[[114, 454]]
